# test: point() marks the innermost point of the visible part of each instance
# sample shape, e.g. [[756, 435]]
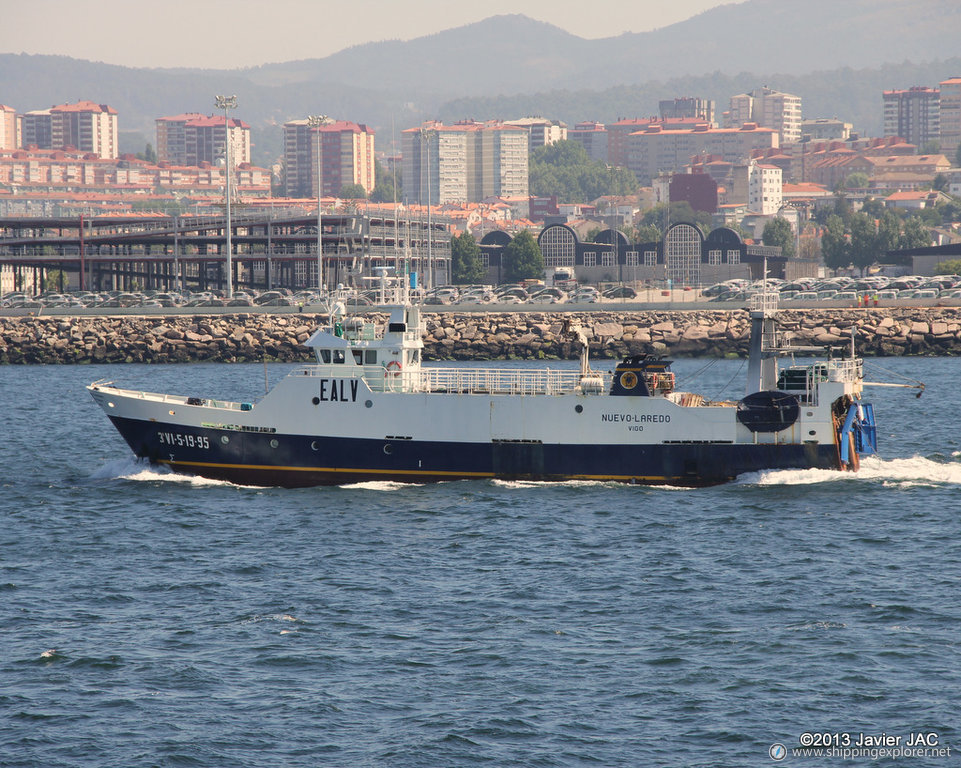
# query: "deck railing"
[[500, 381], [847, 370]]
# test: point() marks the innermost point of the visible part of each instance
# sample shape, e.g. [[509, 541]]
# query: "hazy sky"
[[226, 34]]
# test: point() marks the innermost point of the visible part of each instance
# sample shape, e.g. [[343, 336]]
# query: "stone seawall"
[[479, 336]]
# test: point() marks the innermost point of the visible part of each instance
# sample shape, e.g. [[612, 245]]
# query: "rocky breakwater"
[[169, 339], [462, 336], [713, 333]]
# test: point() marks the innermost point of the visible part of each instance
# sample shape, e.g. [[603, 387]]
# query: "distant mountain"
[[835, 55], [514, 54]]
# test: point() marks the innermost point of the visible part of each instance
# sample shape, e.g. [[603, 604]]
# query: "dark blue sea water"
[[151, 620]]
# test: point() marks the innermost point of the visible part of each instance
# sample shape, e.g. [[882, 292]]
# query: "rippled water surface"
[[148, 619]]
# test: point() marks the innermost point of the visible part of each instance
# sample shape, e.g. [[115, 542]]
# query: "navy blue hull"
[[254, 458]]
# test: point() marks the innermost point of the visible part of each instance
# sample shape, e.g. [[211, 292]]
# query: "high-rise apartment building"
[[619, 132], [85, 126], [688, 106], [656, 149], [9, 128], [346, 157], [913, 114], [769, 109], [35, 129], [593, 137], [825, 129], [193, 138], [950, 116], [543, 132], [465, 162]]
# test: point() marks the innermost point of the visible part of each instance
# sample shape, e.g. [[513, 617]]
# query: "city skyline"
[[44, 28]]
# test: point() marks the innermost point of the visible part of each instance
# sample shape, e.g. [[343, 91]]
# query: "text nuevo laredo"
[[636, 418]]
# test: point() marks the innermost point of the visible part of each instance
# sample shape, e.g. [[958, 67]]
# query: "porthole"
[[274, 443], [315, 400], [368, 404], [224, 439], [388, 449], [579, 408], [812, 432]]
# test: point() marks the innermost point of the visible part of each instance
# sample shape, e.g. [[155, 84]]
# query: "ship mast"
[[762, 362]]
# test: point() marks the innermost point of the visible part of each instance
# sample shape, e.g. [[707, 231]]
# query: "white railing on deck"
[[847, 370], [501, 381]]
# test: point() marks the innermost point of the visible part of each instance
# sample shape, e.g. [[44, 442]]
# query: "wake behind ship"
[[367, 409]]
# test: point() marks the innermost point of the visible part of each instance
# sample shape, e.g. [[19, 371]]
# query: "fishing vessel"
[[367, 408]]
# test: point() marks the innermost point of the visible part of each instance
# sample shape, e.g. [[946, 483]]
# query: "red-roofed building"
[[657, 149], [619, 132], [916, 200], [59, 171], [84, 126], [87, 126], [193, 138], [346, 157], [914, 113]]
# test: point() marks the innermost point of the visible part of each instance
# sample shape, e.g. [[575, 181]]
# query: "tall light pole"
[[316, 122], [226, 103], [426, 135]]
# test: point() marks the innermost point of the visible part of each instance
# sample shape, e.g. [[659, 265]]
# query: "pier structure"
[[271, 250]]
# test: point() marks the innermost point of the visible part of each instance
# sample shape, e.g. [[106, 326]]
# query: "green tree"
[[949, 267], [857, 180], [835, 249], [148, 154], [889, 233], [592, 233], [352, 192], [844, 209], [874, 206], [864, 241], [465, 256], [662, 216], [388, 187], [647, 233], [940, 182], [522, 258], [950, 211], [914, 234], [564, 169], [778, 232]]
